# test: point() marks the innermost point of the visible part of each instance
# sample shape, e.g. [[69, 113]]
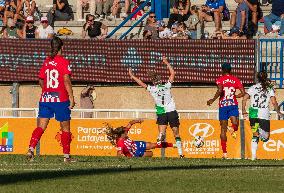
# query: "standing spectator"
[[44, 31], [11, 31], [180, 12], [116, 6], [61, 11], [239, 18], [88, 95], [277, 14], [193, 23], [151, 25], [85, 5], [212, 11], [94, 29], [30, 28]]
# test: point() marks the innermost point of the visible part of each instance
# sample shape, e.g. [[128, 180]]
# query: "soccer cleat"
[[69, 160], [232, 132], [30, 156], [225, 156], [181, 156]]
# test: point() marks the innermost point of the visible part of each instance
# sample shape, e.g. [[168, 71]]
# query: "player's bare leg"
[[36, 135], [235, 125], [223, 137], [66, 140], [254, 141], [162, 133], [178, 141]]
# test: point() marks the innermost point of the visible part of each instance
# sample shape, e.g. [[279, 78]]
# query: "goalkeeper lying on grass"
[[129, 148]]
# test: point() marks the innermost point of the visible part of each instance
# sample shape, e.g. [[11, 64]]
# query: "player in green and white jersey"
[[260, 96], [165, 105]]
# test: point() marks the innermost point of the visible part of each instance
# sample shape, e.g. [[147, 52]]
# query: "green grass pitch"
[[48, 174]]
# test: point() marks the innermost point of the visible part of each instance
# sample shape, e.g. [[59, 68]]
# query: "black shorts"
[[170, 118], [263, 123]]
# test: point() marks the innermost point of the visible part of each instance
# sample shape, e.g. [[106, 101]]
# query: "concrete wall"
[[123, 97]]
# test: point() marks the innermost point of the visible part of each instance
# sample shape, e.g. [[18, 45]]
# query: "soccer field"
[[109, 174]]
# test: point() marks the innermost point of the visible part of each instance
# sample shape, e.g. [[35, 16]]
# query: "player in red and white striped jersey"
[[129, 148]]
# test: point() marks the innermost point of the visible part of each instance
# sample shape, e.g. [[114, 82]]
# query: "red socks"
[[224, 146], [36, 135], [235, 127], [66, 140], [164, 145]]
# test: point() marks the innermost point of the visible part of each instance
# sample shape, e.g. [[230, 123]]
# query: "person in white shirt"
[[165, 105], [44, 31]]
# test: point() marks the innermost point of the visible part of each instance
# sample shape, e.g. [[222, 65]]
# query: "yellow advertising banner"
[[272, 149], [88, 138]]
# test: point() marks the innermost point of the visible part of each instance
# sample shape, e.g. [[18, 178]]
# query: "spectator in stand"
[[10, 11], [239, 18], [214, 10], [193, 23], [94, 29], [174, 31], [151, 25], [2, 8], [11, 31], [182, 32], [276, 15], [180, 12], [140, 13], [85, 5], [147, 35], [116, 5], [28, 8], [88, 95], [61, 11], [103, 8], [44, 31], [234, 34], [30, 28], [164, 32], [253, 15]]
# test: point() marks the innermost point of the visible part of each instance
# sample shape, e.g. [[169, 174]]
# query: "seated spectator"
[[151, 25], [61, 11], [239, 18], [2, 7], [254, 15], [10, 11], [193, 23], [174, 31], [85, 5], [11, 31], [234, 34], [30, 28], [164, 32], [116, 5], [180, 12], [103, 8], [44, 31], [94, 29], [214, 10], [28, 8], [140, 13], [182, 33], [277, 14]]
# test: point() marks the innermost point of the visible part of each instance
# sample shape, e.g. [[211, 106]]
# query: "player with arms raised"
[[165, 105], [260, 96], [228, 105], [56, 98]]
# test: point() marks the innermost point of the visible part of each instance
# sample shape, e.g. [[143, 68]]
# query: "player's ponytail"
[[263, 80], [113, 134], [56, 45]]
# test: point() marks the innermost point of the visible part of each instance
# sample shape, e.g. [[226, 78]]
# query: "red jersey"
[[127, 146], [229, 85], [52, 72]]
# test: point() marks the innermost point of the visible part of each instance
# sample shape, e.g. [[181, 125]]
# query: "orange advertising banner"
[[88, 138], [272, 149]]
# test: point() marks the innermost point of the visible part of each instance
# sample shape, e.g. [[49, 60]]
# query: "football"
[[198, 141]]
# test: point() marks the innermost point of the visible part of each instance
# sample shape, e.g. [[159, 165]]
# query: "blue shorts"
[[141, 147], [226, 112], [60, 109]]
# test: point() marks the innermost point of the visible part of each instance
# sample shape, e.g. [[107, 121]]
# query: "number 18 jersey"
[[52, 73], [259, 101], [229, 85]]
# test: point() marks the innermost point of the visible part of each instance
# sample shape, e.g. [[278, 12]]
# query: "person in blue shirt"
[[277, 14], [213, 11]]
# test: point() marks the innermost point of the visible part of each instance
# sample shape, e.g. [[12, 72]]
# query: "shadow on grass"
[[42, 175]]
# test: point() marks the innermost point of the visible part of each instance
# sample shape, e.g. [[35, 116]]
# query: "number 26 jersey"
[[229, 85], [259, 101], [52, 73]]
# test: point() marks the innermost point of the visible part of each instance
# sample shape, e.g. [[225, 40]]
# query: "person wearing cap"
[[164, 32], [61, 11], [29, 28], [239, 18], [227, 85], [44, 31]]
